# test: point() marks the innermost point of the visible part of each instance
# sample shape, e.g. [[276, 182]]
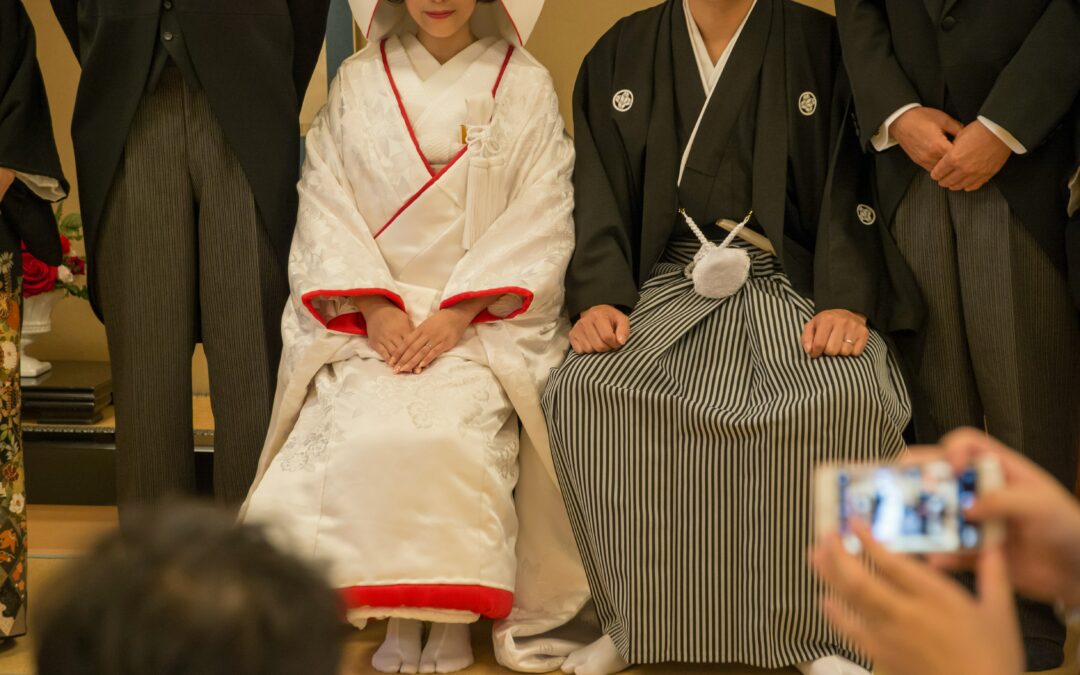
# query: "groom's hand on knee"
[[600, 329]]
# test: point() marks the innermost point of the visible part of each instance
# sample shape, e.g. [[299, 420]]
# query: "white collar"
[[427, 65], [709, 75], [710, 72]]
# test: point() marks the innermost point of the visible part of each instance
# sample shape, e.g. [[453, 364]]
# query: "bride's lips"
[[446, 14]]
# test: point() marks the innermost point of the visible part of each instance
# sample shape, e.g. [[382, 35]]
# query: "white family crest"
[[808, 103], [624, 100], [867, 215]]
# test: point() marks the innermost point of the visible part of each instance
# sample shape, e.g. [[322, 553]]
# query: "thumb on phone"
[[1005, 504]]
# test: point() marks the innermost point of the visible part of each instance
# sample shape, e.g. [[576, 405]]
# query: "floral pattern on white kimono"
[[404, 485]]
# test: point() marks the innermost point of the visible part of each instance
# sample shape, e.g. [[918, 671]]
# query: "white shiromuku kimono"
[[431, 496]]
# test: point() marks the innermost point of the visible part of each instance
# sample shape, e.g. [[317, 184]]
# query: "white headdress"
[[512, 20]]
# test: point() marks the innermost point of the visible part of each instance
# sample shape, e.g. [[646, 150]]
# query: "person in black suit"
[[187, 150], [969, 106]]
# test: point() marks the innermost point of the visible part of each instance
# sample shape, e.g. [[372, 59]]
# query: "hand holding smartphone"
[[910, 508]]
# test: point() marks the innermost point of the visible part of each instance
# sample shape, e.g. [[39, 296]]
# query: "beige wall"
[[567, 29]]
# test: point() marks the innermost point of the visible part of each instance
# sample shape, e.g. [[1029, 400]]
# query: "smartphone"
[[914, 508]]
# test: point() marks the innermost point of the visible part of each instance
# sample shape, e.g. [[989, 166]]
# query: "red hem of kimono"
[[354, 322], [486, 316], [492, 603]]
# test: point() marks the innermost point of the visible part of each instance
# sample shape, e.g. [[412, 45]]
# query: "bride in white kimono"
[[426, 311]]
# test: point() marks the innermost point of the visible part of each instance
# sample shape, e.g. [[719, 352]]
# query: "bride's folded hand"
[[387, 326], [440, 333]]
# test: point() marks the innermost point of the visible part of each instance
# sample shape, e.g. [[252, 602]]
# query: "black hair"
[[183, 590]]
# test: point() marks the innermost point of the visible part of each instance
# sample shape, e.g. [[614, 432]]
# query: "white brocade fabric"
[[392, 479], [431, 99], [410, 479]]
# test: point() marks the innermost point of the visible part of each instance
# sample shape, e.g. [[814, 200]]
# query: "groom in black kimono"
[[969, 107], [187, 145], [685, 426]]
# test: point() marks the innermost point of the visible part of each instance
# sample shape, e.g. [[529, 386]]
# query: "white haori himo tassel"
[[718, 271], [485, 197]]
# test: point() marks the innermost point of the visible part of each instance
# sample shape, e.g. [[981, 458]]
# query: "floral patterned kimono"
[[430, 184], [28, 149]]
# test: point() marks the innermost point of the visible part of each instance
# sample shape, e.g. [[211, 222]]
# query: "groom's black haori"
[[685, 457]]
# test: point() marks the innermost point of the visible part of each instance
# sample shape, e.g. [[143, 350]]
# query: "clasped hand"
[[7, 179], [957, 157], [407, 349]]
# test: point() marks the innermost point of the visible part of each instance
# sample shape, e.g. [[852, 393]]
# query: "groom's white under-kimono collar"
[[431, 496]]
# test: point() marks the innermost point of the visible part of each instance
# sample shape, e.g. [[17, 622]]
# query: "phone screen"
[[910, 509]]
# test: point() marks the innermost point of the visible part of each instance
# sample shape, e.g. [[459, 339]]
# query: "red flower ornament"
[[38, 277]]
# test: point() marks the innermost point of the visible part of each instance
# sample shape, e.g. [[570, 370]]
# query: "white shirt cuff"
[[881, 140], [1074, 193], [1006, 138], [47, 188]]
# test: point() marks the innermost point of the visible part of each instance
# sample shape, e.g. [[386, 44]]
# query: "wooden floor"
[[60, 533]]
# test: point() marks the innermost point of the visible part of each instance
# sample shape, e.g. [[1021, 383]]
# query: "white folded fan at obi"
[[718, 270], [484, 199]]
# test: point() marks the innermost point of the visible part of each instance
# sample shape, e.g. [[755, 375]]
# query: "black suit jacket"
[[1016, 62], [254, 59], [1072, 231], [26, 141]]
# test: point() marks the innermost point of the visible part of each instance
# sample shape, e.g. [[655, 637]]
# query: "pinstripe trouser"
[[183, 254], [685, 460], [1001, 344]]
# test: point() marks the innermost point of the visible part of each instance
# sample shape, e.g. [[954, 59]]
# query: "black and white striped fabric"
[[686, 462]]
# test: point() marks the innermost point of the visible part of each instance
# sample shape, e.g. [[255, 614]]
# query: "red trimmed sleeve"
[[512, 301], [332, 309]]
